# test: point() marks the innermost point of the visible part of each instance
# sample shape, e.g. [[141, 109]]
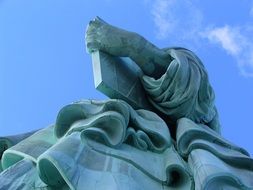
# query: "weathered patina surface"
[[125, 143], [174, 79]]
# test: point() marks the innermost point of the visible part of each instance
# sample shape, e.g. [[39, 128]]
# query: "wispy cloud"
[[229, 38], [182, 21], [168, 18], [236, 41], [162, 17], [251, 11]]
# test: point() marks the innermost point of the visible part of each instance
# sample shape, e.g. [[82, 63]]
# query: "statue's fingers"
[[91, 29], [93, 46], [98, 19], [96, 23]]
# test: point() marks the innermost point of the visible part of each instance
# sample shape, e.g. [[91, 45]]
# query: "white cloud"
[[181, 22], [251, 11], [161, 16], [169, 20], [227, 37], [237, 42]]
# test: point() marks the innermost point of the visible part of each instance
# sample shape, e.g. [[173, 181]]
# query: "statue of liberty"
[[158, 131]]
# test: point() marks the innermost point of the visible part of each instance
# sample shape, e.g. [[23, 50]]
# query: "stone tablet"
[[119, 78]]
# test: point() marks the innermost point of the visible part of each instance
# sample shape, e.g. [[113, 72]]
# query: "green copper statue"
[[158, 131], [175, 80]]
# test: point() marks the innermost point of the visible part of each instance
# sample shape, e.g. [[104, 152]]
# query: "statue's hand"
[[94, 35], [118, 42], [110, 39]]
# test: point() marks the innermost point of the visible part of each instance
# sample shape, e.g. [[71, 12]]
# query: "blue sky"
[[44, 65]]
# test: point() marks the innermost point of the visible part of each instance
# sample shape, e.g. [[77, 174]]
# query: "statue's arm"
[[115, 41]]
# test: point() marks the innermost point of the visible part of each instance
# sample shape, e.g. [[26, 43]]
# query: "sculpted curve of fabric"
[[183, 90], [158, 131]]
